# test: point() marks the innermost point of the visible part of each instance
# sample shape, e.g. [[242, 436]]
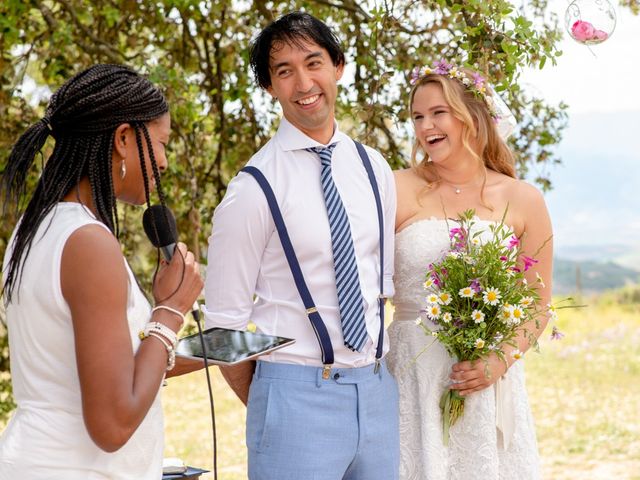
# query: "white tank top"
[[46, 438]]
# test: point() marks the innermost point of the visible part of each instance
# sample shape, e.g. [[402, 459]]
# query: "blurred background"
[[578, 109]]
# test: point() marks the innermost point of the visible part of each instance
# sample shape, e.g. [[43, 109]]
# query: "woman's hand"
[[178, 283], [477, 375]]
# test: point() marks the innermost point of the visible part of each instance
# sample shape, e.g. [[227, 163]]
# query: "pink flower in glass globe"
[[583, 31]]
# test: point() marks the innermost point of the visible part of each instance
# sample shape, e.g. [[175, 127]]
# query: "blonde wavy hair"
[[478, 127]]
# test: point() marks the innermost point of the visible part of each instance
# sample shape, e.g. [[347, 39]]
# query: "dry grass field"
[[584, 391]]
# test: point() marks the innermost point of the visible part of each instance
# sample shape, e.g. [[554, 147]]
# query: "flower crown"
[[475, 83]]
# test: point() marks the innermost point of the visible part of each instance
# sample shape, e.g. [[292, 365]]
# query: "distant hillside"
[[627, 256], [590, 276]]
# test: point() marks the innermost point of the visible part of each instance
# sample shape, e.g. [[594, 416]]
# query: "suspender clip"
[[376, 368], [311, 310], [326, 371]]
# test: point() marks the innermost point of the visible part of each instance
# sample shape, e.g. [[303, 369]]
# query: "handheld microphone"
[[159, 224]]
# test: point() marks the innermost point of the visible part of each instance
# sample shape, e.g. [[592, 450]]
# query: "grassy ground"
[[584, 391]]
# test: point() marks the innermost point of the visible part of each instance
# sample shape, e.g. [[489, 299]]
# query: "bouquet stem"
[[452, 408]]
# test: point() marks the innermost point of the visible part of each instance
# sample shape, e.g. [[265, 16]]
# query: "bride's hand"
[[474, 376]]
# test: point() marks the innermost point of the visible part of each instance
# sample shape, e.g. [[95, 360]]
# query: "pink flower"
[[513, 242], [583, 31], [600, 36], [528, 262], [456, 232], [503, 258]]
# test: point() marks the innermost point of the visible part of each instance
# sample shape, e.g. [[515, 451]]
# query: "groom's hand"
[[474, 376]]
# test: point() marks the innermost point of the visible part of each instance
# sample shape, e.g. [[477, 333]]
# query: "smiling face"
[[304, 81], [130, 189], [437, 130]]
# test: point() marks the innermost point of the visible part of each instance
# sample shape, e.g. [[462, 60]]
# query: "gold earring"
[[123, 170]]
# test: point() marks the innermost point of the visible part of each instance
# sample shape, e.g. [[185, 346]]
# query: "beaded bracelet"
[[168, 309], [171, 359], [162, 329]]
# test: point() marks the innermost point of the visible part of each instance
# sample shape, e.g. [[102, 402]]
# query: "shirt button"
[[336, 376]]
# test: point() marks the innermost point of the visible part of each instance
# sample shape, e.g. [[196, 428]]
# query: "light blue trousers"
[[303, 427]]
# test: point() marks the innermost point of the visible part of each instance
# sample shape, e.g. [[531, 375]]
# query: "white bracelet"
[[171, 359], [163, 330], [168, 309]]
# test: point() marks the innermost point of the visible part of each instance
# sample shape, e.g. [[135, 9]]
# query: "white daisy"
[[432, 299], [526, 302], [517, 314], [491, 296], [446, 317], [428, 284], [477, 316], [466, 292], [479, 343], [445, 298], [506, 313], [433, 311], [516, 354]]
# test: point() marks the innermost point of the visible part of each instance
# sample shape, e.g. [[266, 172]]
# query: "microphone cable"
[[196, 317]]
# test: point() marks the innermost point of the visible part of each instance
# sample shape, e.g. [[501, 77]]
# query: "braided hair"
[[82, 117]]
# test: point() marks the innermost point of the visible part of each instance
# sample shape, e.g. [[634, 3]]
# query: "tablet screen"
[[230, 346]]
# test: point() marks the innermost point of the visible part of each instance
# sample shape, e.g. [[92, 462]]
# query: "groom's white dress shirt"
[[245, 256]]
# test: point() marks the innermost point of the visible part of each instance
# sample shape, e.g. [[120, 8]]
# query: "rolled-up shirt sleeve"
[[241, 228]]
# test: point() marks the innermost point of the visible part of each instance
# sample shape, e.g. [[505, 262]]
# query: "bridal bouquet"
[[478, 298]]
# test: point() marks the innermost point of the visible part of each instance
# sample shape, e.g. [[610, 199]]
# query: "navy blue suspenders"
[[312, 312]]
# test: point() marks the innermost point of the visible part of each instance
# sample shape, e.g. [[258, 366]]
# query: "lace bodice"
[[422, 371]]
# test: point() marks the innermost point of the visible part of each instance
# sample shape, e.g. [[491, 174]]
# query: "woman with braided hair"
[[85, 379]]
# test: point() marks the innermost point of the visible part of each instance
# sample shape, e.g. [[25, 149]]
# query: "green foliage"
[[197, 50]]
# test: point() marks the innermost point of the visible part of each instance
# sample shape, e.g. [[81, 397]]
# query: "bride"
[[465, 165]]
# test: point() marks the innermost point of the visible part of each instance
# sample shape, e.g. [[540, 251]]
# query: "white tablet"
[[228, 347]]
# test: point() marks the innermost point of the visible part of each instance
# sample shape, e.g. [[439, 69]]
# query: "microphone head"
[[160, 226]]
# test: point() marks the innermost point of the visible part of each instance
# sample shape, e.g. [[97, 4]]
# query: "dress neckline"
[[438, 220]]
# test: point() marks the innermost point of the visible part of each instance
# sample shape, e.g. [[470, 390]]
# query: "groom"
[[307, 228]]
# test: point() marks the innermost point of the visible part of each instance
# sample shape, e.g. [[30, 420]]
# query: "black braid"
[[143, 167], [82, 117]]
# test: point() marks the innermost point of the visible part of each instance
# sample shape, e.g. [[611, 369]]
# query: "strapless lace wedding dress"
[[476, 449]]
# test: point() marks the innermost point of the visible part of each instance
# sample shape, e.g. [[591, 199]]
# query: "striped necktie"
[[350, 303]]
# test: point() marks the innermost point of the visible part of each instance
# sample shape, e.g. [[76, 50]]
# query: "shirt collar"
[[290, 138]]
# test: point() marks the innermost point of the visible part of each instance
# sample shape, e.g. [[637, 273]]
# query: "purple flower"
[[513, 242], [475, 285], [503, 258], [442, 68], [528, 262], [478, 80], [458, 323], [556, 334]]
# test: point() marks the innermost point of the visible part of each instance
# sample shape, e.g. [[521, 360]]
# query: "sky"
[[596, 195]]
